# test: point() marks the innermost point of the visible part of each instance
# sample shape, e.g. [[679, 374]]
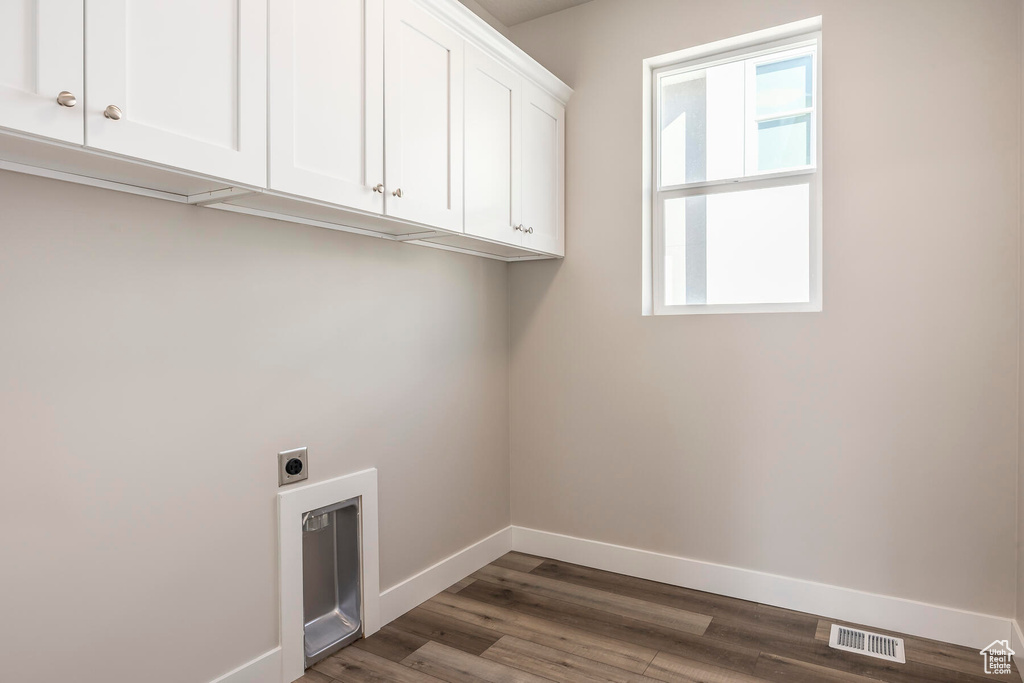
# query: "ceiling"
[[512, 12]]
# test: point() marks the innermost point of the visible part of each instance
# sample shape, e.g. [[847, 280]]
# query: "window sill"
[[725, 309]]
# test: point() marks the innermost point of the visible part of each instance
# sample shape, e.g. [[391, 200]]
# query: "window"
[[735, 186]]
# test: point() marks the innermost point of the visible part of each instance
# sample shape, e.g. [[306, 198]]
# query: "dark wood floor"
[[528, 619]]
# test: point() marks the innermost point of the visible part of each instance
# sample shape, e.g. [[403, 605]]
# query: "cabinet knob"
[[113, 113], [397, 193], [529, 231], [66, 99], [379, 187], [519, 227]]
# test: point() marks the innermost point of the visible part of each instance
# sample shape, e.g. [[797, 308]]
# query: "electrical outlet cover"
[[292, 466]]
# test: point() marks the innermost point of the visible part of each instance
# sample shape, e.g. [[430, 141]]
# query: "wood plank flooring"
[[524, 619]]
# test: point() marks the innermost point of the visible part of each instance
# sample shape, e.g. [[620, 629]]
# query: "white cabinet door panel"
[[493, 151], [41, 55], [189, 77], [423, 89], [543, 171], [327, 100]]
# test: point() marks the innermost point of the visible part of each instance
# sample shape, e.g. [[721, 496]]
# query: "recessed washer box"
[[331, 591]]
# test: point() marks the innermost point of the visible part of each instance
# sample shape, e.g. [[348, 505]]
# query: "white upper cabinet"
[[41, 62], [543, 171], [327, 101], [409, 119], [181, 83], [493, 199], [423, 87]]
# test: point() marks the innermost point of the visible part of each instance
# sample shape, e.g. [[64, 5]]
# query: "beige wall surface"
[[871, 446], [479, 10], [156, 359], [1020, 370]]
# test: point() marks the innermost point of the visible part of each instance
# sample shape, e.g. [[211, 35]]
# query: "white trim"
[[723, 309], [1017, 645], [399, 599], [706, 187], [747, 40], [264, 669], [291, 504], [881, 611], [647, 188], [895, 614]]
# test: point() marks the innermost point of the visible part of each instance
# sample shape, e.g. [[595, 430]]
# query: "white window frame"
[[769, 45]]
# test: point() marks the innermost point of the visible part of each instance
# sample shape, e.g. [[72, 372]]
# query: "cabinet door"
[[185, 82], [543, 171], [493, 152], [423, 117], [40, 57], [327, 100]]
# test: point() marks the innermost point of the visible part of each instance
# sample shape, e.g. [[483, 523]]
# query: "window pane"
[[747, 247], [702, 125], [675, 252], [686, 251], [726, 124], [683, 128], [784, 86], [784, 143]]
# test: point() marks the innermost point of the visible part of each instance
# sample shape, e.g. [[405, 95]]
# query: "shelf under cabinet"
[[70, 163], [298, 210]]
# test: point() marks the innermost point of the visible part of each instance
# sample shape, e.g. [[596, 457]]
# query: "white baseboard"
[[894, 614], [399, 599], [264, 669], [1017, 645]]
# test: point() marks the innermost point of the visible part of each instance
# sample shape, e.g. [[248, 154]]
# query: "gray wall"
[[156, 359], [871, 446]]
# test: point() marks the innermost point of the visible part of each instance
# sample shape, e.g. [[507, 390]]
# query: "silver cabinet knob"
[[66, 99], [397, 193], [379, 187], [113, 113], [519, 228], [529, 231]]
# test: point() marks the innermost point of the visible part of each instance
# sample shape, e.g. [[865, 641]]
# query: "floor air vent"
[[870, 644]]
